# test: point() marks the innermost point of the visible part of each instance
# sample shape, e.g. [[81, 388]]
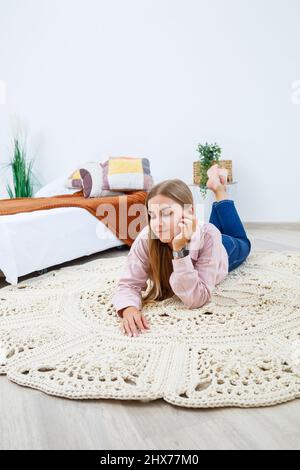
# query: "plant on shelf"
[[209, 154], [22, 173]]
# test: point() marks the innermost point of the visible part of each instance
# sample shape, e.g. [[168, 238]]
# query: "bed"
[[34, 241]]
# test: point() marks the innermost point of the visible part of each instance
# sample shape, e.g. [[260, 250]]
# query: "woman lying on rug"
[[179, 255]]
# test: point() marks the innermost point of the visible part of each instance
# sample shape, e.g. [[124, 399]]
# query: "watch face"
[[181, 253]]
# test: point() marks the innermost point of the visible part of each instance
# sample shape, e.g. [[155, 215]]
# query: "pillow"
[[127, 173], [55, 188], [74, 181], [89, 178]]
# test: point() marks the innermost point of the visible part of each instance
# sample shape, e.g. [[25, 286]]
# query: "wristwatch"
[[180, 253]]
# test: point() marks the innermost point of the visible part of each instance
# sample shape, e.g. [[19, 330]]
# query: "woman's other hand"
[[134, 322]]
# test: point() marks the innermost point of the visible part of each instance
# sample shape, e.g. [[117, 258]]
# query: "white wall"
[[93, 78]]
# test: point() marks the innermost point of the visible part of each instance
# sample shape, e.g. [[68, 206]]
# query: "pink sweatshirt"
[[193, 277]]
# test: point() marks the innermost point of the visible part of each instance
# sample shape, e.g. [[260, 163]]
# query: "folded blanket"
[[116, 217]]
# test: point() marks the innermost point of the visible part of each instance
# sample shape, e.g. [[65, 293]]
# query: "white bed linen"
[[33, 241]]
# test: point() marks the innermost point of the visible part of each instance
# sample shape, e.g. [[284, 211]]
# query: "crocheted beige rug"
[[59, 334]]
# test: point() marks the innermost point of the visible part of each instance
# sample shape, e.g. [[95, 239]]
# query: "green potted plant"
[[209, 154], [22, 173]]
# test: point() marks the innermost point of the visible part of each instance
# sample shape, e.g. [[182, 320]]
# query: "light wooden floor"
[[32, 420]]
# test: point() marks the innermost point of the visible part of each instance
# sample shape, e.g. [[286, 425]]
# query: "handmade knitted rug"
[[59, 333]]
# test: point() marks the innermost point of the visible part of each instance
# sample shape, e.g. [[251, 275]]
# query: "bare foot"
[[217, 178], [223, 175]]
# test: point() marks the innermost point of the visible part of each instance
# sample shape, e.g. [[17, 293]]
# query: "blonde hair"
[[160, 254]]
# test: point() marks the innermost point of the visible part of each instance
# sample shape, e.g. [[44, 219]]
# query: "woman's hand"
[[134, 320], [187, 227]]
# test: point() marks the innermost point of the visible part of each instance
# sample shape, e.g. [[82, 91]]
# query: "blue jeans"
[[234, 238]]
